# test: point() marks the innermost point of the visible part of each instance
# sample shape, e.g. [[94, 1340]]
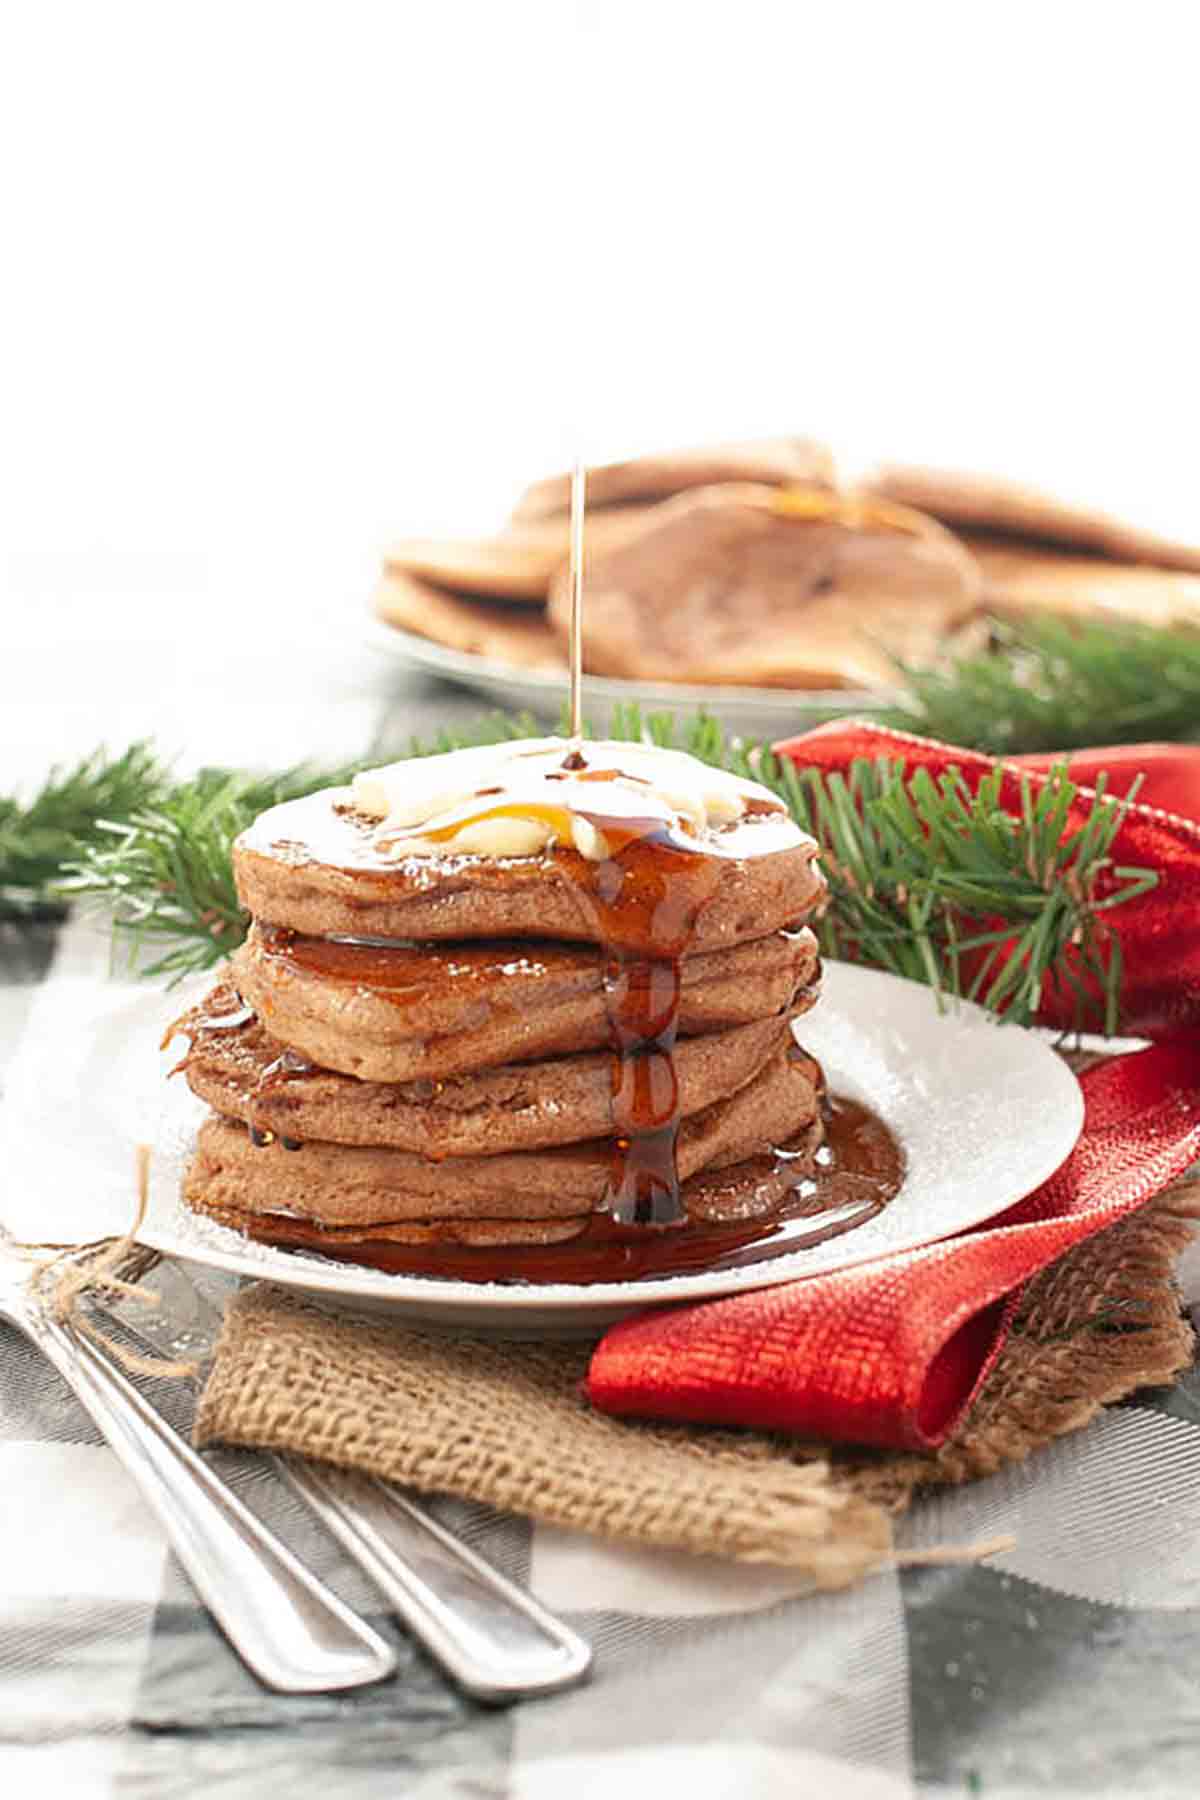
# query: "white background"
[[282, 280]]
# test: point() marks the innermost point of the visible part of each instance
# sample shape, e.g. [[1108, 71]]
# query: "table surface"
[[1071, 1663]]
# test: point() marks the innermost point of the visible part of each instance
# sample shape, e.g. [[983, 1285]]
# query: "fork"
[[491, 1636], [294, 1634]]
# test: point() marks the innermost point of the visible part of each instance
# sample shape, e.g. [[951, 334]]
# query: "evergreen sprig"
[[162, 866], [1056, 684], [164, 870], [942, 884], [39, 837]]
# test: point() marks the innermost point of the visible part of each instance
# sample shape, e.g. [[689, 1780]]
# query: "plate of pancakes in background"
[[748, 581]]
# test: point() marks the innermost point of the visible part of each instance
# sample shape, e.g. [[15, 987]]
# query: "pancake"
[[339, 1185], [480, 1234], [315, 866], [244, 1073], [773, 461], [757, 586], [748, 1191], [515, 565], [1020, 579], [411, 1012], [991, 503], [494, 628]]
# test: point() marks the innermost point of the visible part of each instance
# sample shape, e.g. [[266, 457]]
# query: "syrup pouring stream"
[[578, 499]]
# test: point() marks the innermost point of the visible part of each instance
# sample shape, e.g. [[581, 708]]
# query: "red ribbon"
[[1170, 773], [893, 1352]]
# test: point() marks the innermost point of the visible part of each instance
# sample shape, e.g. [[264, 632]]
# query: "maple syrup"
[[644, 901]]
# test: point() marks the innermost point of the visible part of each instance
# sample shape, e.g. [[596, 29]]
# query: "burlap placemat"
[[505, 1422]]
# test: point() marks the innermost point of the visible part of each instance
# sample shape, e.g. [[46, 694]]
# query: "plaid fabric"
[[1068, 1664]]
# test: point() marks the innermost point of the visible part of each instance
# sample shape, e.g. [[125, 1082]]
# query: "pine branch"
[[940, 884], [164, 872], [162, 869], [1044, 684], [37, 839], [1051, 684]]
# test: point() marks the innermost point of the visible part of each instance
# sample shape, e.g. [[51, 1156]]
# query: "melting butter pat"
[[518, 798]]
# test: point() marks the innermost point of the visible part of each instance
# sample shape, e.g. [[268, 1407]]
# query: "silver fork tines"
[[294, 1634], [491, 1636]]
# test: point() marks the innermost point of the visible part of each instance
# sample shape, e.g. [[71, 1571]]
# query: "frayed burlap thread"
[[506, 1423], [64, 1276]]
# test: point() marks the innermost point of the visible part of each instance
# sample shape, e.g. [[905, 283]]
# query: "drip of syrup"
[[645, 901]]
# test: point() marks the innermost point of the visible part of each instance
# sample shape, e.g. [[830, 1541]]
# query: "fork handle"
[[496, 1640], [293, 1633]]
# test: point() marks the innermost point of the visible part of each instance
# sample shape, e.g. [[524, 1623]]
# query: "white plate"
[[984, 1112], [755, 712]]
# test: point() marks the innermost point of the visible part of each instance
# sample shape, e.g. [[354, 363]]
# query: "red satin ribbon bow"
[[892, 1353]]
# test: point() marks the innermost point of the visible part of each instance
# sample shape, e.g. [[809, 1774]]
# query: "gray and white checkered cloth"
[[1070, 1664]]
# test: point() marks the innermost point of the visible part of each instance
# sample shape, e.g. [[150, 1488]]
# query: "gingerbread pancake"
[[244, 1073], [338, 1185], [497, 629], [321, 868], [426, 1011], [773, 461], [515, 565], [754, 586], [1019, 579], [992, 504]]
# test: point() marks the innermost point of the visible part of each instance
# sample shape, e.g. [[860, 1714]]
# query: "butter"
[[516, 799]]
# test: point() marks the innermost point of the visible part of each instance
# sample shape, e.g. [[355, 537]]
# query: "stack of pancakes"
[[415, 1051]]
